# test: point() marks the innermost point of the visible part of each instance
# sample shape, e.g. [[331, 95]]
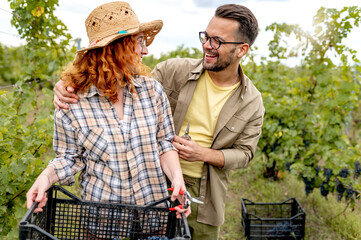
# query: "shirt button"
[[204, 177], [232, 128]]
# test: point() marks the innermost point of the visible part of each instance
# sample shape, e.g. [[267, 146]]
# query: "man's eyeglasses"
[[214, 41]]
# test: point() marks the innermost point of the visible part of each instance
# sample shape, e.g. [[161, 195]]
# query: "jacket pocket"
[[96, 146], [235, 125], [229, 133]]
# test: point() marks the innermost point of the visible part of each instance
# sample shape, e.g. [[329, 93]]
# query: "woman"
[[119, 133]]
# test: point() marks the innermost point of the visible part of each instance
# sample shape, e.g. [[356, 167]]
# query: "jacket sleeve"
[[243, 149]]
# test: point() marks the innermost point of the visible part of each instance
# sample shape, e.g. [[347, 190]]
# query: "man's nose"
[[207, 44]]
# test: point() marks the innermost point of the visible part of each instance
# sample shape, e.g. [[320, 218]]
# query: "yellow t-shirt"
[[203, 111]]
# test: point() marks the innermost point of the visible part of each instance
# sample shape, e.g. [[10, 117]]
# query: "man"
[[223, 108]]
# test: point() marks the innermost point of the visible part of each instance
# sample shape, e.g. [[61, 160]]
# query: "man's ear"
[[242, 50]]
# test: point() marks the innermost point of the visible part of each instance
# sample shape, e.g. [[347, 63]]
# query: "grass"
[[325, 219]]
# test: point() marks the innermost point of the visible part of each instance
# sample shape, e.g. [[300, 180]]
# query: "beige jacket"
[[236, 134]]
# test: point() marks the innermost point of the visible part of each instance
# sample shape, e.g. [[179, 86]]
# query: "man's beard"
[[220, 64]]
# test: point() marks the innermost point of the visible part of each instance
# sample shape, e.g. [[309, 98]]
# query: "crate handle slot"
[[26, 217], [250, 214], [268, 203], [297, 215], [152, 204], [66, 192]]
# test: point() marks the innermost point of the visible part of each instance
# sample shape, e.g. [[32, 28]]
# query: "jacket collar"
[[244, 81], [197, 71]]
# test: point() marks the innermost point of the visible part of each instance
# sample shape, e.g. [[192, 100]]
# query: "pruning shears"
[[186, 133], [188, 199]]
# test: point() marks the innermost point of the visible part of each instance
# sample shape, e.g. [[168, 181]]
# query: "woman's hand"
[[181, 198], [181, 210], [171, 167], [37, 192]]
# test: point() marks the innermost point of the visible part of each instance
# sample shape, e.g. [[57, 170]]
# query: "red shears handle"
[[181, 192], [173, 208]]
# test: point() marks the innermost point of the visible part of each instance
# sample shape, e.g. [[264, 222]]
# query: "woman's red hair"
[[106, 68]]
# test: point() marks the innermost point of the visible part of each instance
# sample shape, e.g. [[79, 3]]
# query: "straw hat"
[[115, 20]]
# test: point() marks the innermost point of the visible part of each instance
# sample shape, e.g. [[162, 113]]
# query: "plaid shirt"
[[119, 159]]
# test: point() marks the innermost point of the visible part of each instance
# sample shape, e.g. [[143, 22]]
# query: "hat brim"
[[150, 29]]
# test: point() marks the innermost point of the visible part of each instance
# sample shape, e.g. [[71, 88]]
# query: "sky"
[[184, 19]]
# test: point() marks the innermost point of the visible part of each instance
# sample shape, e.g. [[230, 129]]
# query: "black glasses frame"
[[215, 39]]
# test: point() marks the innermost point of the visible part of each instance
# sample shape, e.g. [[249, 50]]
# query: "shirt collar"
[[244, 81], [197, 72]]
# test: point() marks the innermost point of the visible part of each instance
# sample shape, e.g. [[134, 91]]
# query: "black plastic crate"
[[67, 217], [284, 220]]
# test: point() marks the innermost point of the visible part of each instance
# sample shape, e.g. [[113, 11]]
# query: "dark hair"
[[248, 25]]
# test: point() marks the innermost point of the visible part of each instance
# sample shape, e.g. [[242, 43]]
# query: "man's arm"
[[191, 151], [64, 95], [244, 147]]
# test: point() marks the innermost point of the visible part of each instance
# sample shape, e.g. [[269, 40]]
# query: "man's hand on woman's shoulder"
[[63, 95]]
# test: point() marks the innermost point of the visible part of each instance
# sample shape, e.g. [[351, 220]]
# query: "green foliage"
[[26, 122], [12, 63], [24, 138], [180, 52], [310, 108], [47, 40]]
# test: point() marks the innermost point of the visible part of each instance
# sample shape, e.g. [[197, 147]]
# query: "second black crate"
[[283, 220]]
